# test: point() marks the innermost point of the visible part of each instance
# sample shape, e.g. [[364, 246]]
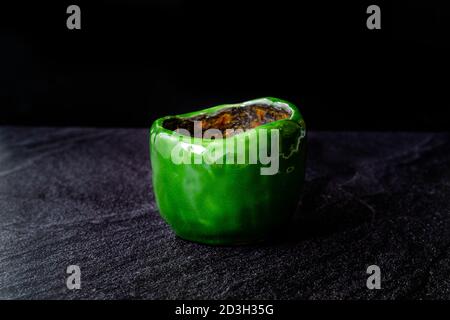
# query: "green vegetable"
[[209, 197]]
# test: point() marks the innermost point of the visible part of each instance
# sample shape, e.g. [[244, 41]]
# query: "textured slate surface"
[[83, 196]]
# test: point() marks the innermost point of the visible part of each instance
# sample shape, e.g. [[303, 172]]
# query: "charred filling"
[[236, 118]]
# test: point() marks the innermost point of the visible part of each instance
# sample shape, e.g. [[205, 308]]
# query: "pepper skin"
[[227, 204]]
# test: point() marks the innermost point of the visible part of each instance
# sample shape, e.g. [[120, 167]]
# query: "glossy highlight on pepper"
[[229, 202]]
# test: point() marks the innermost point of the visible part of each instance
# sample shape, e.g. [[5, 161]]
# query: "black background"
[[133, 61]]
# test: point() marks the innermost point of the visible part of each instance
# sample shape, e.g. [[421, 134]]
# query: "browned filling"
[[236, 118]]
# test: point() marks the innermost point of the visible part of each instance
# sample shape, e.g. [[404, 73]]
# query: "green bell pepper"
[[211, 197]]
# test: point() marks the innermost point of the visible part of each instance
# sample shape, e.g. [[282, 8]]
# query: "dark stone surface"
[[83, 196]]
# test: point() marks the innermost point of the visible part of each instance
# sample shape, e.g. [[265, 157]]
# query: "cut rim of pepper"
[[268, 103]]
